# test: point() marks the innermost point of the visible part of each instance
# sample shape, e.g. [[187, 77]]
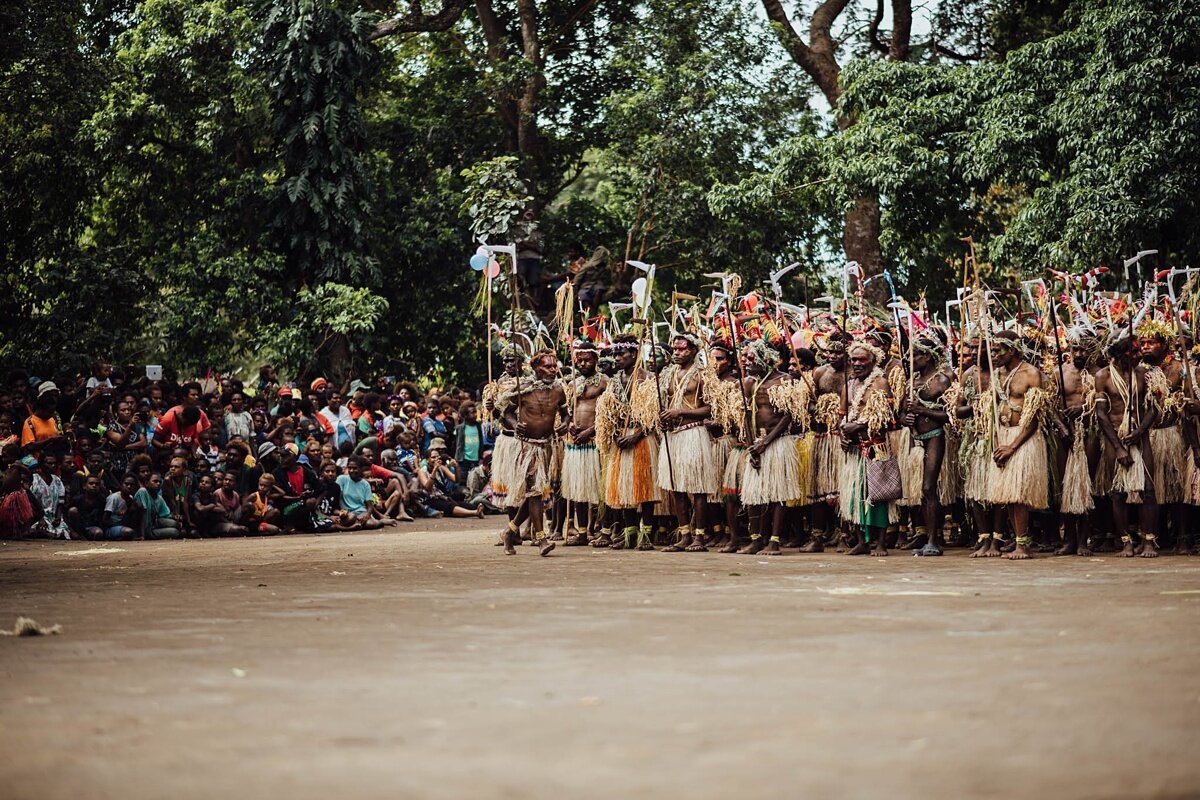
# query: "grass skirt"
[[1130, 481], [1170, 463], [581, 473], [735, 471], [720, 455], [950, 478], [804, 461], [977, 469], [691, 468], [631, 475], [555, 470], [1192, 487], [777, 480], [911, 458], [827, 460], [1076, 481], [1025, 479], [530, 475], [853, 505], [504, 456]]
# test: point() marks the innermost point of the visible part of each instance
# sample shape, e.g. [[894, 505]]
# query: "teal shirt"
[[470, 436], [355, 494]]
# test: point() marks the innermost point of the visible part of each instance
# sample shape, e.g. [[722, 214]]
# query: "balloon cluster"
[[482, 260]]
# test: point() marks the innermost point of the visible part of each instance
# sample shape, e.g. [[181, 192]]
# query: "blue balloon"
[[478, 262]]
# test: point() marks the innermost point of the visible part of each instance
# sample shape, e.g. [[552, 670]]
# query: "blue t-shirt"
[[433, 428], [470, 442], [355, 494]]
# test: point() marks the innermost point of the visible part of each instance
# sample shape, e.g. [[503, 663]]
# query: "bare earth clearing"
[[425, 664]]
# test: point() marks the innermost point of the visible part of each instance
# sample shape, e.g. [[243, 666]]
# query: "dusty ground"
[[425, 664]]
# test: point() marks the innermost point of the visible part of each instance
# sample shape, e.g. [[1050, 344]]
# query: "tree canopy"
[[213, 182]]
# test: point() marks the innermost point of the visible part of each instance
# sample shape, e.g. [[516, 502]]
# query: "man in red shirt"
[[181, 426]]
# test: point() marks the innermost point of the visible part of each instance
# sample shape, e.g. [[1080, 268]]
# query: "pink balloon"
[[481, 250], [493, 268]]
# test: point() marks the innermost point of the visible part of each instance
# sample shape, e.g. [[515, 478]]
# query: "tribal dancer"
[[505, 451], [581, 479], [686, 466], [827, 457], [1078, 462], [1126, 416], [925, 415], [532, 413], [1020, 482], [727, 404], [623, 417], [976, 422], [1164, 373], [869, 417], [772, 477]]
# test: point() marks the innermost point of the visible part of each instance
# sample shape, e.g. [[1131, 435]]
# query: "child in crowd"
[[258, 509], [116, 511], [211, 516]]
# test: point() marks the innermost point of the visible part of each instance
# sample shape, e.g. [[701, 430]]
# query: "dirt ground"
[[425, 664]]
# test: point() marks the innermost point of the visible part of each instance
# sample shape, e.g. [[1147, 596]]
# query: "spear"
[[510, 250], [747, 420], [658, 393], [773, 282]]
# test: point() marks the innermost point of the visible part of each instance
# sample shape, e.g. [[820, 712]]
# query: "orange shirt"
[[36, 429]]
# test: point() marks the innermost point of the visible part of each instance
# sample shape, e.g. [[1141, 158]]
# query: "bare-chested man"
[[581, 461], [869, 417], [1156, 341], [630, 486], [828, 457], [975, 409], [686, 467], [1126, 416], [1021, 480], [496, 396], [534, 416], [925, 415], [1077, 461], [728, 408], [772, 477]]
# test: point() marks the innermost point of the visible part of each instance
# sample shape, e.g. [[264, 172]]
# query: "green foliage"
[[317, 61], [319, 316], [494, 198]]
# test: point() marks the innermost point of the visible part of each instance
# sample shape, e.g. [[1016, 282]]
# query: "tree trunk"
[[860, 240], [337, 359], [861, 225]]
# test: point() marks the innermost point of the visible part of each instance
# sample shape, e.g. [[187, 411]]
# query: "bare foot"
[[1068, 549], [729, 548], [772, 549], [547, 546], [478, 512], [880, 549], [578, 540], [697, 546], [860, 549], [1149, 549], [1181, 548], [755, 546], [814, 545], [1084, 551], [684, 543], [510, 542], [602, 540], [1020, 552], [1128, 551]]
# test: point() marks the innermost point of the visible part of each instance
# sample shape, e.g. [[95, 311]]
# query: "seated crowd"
[[112, 457]]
